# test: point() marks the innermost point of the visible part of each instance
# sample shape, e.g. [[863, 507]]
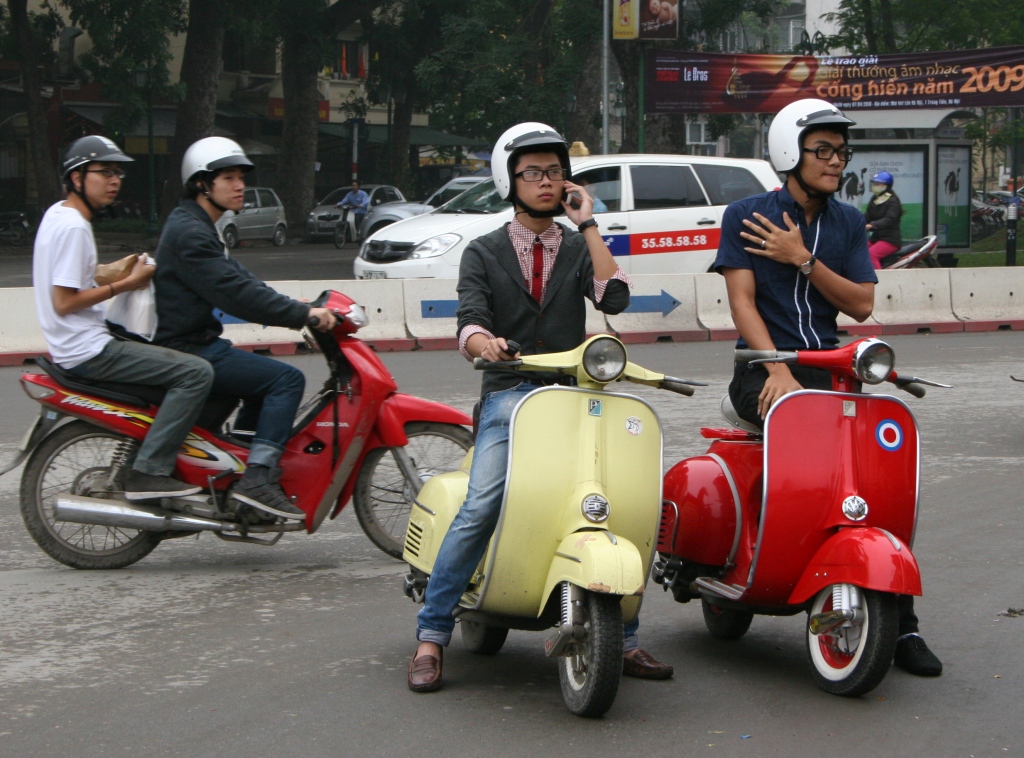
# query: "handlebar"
[[313, 321], [746, 355]]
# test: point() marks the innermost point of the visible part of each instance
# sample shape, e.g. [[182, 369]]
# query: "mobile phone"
[[575, 200]]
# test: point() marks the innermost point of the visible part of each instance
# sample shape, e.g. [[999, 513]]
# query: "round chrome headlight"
[[604, 360], [357, 316], [595, 508], [873, 361]]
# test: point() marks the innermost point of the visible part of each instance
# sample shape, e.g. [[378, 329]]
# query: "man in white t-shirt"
[[71, 313]]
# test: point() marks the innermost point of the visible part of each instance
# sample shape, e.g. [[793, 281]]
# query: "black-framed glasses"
[[536, 174], [107, 173], [825, 152]]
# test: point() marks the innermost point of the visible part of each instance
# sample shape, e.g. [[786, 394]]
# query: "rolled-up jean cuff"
[[429, 635], [632, 642], [264, 453]]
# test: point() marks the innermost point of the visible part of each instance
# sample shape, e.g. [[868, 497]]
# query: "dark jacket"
[[885, 220], [493, 294], [194, 276]]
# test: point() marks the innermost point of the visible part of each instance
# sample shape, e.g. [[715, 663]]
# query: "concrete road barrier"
[[661, 308], [713, 311], [384, 302], [915, 300], [988, 299], [21, 337], [430, 306], [278, 340]]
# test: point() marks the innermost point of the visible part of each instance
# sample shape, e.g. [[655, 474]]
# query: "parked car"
[[261, 218], [324, 217], [388, 213], [663, 215]]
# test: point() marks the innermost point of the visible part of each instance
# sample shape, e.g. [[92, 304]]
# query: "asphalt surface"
[[214, 648], [296, 259]]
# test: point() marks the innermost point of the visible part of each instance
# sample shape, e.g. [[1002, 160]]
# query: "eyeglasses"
[[534, 175], [825, 152], [108, 173]]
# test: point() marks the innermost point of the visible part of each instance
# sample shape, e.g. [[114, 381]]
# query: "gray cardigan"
[[493, 294]]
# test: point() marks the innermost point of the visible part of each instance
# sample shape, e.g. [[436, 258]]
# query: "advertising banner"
[[689, 82], [908, 169], [953, 196], [645, 19]]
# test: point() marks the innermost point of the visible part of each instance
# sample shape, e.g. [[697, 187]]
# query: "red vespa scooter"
[[817, 515], [356, 438]]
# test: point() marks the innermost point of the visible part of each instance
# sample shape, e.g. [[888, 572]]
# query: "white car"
[[662, 214]]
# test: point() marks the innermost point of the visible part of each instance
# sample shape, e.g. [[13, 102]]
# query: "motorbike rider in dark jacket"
[[194, 276], [883, 216]]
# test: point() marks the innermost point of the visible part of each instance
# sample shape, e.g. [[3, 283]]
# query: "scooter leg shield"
[[433, 512], [867, 557], [600, 562]]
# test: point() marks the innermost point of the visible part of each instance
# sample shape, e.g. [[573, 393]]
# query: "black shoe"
[[140, 486], [259, 488], [914, 657]]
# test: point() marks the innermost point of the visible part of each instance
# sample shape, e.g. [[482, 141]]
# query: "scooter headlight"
[[357, 316], [873, 361], [595, 508], [604, 360]]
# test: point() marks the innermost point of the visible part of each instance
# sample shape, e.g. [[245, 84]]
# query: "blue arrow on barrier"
[[652, 304], [438, 308]]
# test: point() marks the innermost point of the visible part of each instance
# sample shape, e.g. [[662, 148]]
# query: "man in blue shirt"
[[792, 260], [359, 201]]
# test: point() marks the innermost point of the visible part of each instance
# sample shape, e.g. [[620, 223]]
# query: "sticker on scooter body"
[[594, 408], [634, 425], [889, 435]]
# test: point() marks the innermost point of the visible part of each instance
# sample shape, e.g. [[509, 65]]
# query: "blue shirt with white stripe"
[[797, 316]]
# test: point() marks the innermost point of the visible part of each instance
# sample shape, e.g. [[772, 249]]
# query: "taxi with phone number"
[[659, 214]]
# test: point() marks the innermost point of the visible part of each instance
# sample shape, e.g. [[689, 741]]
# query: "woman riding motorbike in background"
[[883, 219]]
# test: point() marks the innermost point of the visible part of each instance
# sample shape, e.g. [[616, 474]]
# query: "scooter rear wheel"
[[482, 639], [77, 457], [590, 674], [382, 496], [854, 660]]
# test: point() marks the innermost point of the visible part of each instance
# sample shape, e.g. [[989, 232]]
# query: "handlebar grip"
[[682, 389], [746, 355], [915, 389], [313, 321], [513, 347]]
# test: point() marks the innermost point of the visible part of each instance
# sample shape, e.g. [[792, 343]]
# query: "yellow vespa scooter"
[[578, 526]]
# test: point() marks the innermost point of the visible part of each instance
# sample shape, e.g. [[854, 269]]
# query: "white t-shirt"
[[65, 256]]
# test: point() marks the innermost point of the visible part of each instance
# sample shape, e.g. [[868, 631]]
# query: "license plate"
[[375, 275]]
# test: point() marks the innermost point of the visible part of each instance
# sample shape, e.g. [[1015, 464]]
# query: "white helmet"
[[785, 136], [528, 137], [211, 154]]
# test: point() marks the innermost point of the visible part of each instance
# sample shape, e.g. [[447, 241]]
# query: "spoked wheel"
[[341, 235], [481, 638], [77, 459], [383, 497], [725, 623], [590, 675], [850, 661], [280, 236]]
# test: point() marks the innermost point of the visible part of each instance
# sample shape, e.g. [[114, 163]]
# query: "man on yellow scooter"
[[527, 281]]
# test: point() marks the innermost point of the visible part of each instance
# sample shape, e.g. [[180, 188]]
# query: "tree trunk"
[[401, 129], [200, 73], [299, 67], [629, 55], [43, 163], [888, 31], [868, 14]]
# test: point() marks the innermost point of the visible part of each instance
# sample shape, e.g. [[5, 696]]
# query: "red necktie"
[[537, 285]]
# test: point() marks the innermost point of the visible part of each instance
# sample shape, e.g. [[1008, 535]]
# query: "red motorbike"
[[357, 438], [815, 515], [915, 254]]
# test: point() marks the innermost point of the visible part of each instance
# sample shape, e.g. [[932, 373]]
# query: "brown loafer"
[[642, 666], [425, 673]]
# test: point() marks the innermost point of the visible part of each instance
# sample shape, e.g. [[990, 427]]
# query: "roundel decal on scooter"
[[889, 435]]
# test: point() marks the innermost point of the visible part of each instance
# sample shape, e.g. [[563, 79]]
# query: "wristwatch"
[[586, 225], [808, 267]]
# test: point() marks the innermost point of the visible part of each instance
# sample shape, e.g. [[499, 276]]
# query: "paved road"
[[294, 260], [212, 648]]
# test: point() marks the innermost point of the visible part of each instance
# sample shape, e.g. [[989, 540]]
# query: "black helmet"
[[88, 149]]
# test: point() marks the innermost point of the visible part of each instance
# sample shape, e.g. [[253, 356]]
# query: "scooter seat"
[[729, 411], [215, 412]]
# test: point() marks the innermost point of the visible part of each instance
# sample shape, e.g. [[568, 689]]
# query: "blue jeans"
[[271, 392], [186, 378], [466, 541]]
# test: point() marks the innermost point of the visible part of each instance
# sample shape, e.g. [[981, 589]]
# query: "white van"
[[660, 214]]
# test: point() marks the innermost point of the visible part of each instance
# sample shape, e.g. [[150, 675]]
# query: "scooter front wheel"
[[341, 235], [383, 497], [77, 458], [850, 661], [725, 623], [590, 674]]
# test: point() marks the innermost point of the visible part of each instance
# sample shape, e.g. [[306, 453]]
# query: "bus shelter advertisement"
[[953, 206], [907, 167], [688, 82]]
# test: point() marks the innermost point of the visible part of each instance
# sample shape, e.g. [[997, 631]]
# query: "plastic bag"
[[135, 311]]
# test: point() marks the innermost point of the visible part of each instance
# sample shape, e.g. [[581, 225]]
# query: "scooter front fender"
[[867, 557], [398, 409], [599, 561]]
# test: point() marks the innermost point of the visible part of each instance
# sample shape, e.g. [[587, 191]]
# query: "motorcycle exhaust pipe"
[[117, 513], [822, 623]]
